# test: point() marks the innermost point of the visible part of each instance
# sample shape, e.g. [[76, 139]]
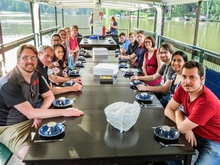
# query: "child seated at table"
[[73, 47]]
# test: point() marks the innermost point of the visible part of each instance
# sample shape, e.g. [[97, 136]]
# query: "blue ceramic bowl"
[[147, 97], [59, 128], [63, 103], [129, 73], [133, 83], [123, 65], [79, 64], [171, 135], [69, 83], [73, 72], [122, 60]]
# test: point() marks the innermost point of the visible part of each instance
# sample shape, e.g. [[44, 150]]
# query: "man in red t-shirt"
[[201, 121]]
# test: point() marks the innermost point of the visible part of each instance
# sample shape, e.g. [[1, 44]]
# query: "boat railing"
[[46, 32], [206, 57], [86, 30], [11, 45]]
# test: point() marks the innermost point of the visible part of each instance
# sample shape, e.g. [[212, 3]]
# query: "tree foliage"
[[213, 9], [180, 10]]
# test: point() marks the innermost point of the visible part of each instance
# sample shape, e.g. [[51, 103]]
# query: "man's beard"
[[27, 70]]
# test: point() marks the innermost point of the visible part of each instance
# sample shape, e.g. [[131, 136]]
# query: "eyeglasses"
[[32, 91], [27, 58], [56, 40], [165, 52], [147, 42]]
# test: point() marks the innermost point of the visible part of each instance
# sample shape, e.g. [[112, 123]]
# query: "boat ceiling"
[[112, 4]]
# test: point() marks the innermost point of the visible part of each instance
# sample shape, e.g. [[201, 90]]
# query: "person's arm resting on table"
[[59, 79], [128, 57], [41, 113], [184, 125]]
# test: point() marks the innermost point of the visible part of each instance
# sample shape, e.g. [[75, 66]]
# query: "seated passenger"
[[136, 59], [73, 47], [19, 91], [201, 125], [55, 39], [67, 30], [152, 62], [45, 56], [113, 26], [64, 42], [165, 51], [58, 66], [177, 61], [125, 43], [133, 43]]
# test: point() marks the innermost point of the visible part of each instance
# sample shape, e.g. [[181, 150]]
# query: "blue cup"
[[51, 127], [165, 131]]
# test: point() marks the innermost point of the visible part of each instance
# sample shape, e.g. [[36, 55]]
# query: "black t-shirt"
[[43, 70], [14, 89], [132, 48]]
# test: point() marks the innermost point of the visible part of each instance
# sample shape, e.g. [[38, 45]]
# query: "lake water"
[[17, 25]]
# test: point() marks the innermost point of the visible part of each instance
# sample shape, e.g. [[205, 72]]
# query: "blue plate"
[[173, 134], [65, 103], [137, 83], [43, 131], [122, 60], [122, 65], [148, 97], [69, 83], [73, 73], [81, 58], [117, 50], [80, 65], [129, 73]]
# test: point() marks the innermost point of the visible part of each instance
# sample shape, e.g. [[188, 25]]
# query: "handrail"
[[48, 30], [205, 57], [11, 45]]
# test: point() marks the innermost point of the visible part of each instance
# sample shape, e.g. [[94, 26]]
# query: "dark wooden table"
[[107, 42], [91, 140]]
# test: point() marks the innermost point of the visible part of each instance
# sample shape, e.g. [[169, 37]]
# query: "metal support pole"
[[138, 15], [163, 20], [155, 22], [158, 25], [2, 52], [197, 23], [62, 18], [130, 21], [196, 28], [55, 15], [40, 27], [32, 21]]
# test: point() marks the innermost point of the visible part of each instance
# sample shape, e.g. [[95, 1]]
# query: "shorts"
[[16, 136]]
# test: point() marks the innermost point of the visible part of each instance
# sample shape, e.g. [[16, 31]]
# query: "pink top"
[[73, 43], [151, 68]]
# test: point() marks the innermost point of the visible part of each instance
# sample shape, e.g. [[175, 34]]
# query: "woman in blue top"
[[113, 27]]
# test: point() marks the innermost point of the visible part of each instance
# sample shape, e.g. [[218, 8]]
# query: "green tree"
[[180, 10], [215, 9]]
